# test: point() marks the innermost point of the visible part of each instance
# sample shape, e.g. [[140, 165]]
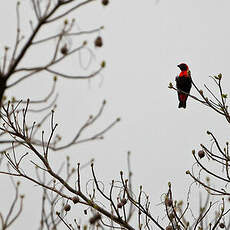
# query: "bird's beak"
[[178, 66]]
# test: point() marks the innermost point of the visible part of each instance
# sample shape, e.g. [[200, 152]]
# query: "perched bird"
[[183, 83]]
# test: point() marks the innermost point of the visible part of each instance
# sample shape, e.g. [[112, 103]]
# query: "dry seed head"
[[201, 153], [64, 50], [222, 225], [98, 42], [105, 2], [75, 199], [123, 201], [119, 205], [67, 207]]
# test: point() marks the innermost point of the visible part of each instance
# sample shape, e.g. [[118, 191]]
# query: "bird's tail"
[[182, 99], [182, 104]]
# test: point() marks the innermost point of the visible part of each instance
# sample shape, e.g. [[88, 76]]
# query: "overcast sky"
[[144, 43]]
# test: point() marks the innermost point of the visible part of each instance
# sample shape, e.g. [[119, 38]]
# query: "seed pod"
[[222, 225], [119, 205], [201, 153], [67, 207], [98, 42], [75, 199], [123, 201], [105, 2], [64, 50]]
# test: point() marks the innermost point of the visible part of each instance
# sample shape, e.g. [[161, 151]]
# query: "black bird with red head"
[[183, 84]]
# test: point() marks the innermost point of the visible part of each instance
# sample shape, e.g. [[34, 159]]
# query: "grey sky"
[[144, 42]]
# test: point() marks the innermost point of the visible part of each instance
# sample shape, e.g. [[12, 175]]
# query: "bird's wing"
[[177, 81]]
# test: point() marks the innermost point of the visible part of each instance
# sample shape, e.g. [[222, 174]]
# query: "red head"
[[184, 70]]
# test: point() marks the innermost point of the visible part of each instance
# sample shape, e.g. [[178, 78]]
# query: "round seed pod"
[[75, 199], [67, 207], [105, 2], [64, 50], [222, 225], [201, 154], [98, 42]]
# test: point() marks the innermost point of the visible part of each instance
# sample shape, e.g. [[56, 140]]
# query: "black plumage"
[[183, 83]]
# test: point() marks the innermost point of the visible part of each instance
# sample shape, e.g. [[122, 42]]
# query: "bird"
[[183, 83]]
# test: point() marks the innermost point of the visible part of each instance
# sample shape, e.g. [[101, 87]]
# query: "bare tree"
[[14, 71], [212, 173], [114, 206]]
